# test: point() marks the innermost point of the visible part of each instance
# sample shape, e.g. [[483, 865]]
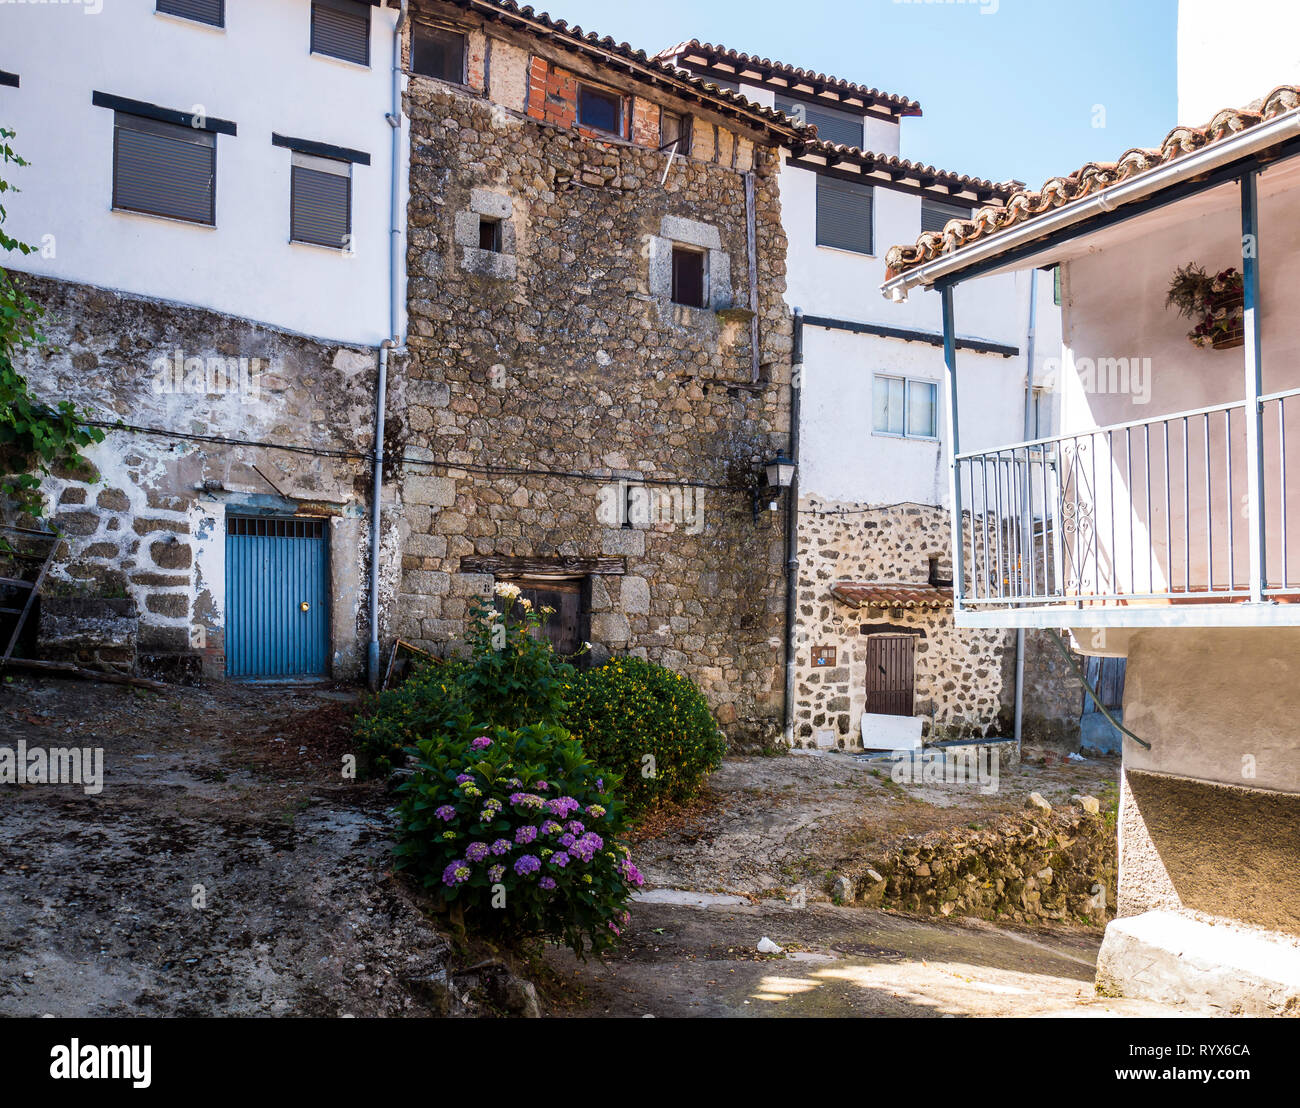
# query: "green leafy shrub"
[[650, 725], [511, 678], [520, 829]]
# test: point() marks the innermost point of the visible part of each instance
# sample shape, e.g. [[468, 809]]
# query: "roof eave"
[[949, 267]]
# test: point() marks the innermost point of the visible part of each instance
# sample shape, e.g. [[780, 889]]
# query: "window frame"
[[442, 29], [685, 133], [346, 6], [158, 127], [585, 88], [220, 25], [497, 233], [338, 167], [870, 192], [907, 383], [686, 250]]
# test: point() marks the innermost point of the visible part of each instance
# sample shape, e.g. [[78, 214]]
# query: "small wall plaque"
[[823, 656]]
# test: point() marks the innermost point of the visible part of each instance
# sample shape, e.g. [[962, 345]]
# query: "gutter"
[[1214, 156], [792, 526], [394, 119]]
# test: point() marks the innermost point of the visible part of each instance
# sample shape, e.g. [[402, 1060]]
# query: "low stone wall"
[[1041, 867]]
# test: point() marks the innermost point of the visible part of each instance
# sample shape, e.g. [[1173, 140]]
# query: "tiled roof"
[[897, 105], [885, 594], [897, 168], [1087, 181], [637, 63]]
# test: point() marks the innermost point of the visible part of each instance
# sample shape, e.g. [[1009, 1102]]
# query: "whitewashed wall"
[[257, 72]]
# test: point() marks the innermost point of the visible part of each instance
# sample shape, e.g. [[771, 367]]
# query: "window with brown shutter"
[[566, 628], [341, 29], [164, 169]]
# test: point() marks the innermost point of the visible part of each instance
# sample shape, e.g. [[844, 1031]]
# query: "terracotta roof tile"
[[886, 594], [896, 166], [899, 105], [1092, 178]]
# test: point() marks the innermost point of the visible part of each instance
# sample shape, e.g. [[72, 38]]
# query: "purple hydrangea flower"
[[461, 778], [576, 827], [445, 813], [528, 800], [596, 811], [526, 835], [501, 846], [586, 847], [547, 883], [455, 874], [528, 863], [476, 852], [550, 827], [562, 806], [630, 872], [600, 784], [559, 858], [481, 743], [542, 786], [567, 840], [495, 873]]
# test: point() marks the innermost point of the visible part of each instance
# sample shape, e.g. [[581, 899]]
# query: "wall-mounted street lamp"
[[778, 474]]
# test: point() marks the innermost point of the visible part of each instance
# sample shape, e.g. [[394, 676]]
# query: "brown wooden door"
[[565, 627], [891, 680]]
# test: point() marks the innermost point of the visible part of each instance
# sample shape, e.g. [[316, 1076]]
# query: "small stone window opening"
[[690, 286], [489, 234], [600, 110], [675, 130]]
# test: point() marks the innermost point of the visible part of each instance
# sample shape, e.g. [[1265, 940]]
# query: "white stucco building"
[[1165, 511], [873, 545]]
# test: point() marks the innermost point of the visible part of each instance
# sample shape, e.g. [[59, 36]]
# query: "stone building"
[[575, 306], [599, 353]]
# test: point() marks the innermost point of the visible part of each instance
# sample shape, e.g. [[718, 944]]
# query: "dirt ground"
[[237, 793], [234, 789]]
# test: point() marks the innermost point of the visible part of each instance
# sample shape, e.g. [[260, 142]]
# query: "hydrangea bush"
[[522, 830]]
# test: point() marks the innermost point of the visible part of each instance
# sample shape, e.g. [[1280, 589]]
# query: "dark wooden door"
[[891, 681], [565, 627]]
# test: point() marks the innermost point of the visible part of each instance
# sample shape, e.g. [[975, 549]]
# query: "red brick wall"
[[553, 96], [645, 123]]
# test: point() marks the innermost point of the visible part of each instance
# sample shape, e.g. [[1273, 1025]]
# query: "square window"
[[489, 234], [164, 169], [844, 215], [438, 52], [341, 29], [600, 110], [905, 407], [689, 284], [567, 626], [674, 128], [321, 201], [212, 12]]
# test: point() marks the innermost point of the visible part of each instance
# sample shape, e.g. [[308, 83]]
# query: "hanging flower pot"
[[1215, 303]]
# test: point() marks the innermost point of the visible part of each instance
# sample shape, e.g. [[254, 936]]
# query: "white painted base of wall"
[[891, 732], [1217, 970]]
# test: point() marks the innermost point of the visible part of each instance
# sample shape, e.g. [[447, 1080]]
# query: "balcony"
[[1180, 520]]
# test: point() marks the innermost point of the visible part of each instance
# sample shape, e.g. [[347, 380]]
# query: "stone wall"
[[960, 678], [146, 521], [548, 378], [1042, 867]]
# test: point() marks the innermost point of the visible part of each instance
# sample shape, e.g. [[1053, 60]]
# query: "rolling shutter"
[[935, 214], [164, 169], [844, 215], [321, 203], [832, 125], [212, 12], [341, 29]]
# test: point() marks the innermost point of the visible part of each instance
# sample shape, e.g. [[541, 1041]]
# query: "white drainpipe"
[[381, 388]]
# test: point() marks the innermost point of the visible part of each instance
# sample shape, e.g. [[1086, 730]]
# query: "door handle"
[[305, 606]]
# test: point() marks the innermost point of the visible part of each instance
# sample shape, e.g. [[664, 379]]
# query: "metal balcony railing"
[[1152, 511]]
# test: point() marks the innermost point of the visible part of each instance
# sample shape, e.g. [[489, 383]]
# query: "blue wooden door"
[[277, 625]]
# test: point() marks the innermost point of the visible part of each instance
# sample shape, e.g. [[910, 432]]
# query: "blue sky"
[[1012, 93]]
